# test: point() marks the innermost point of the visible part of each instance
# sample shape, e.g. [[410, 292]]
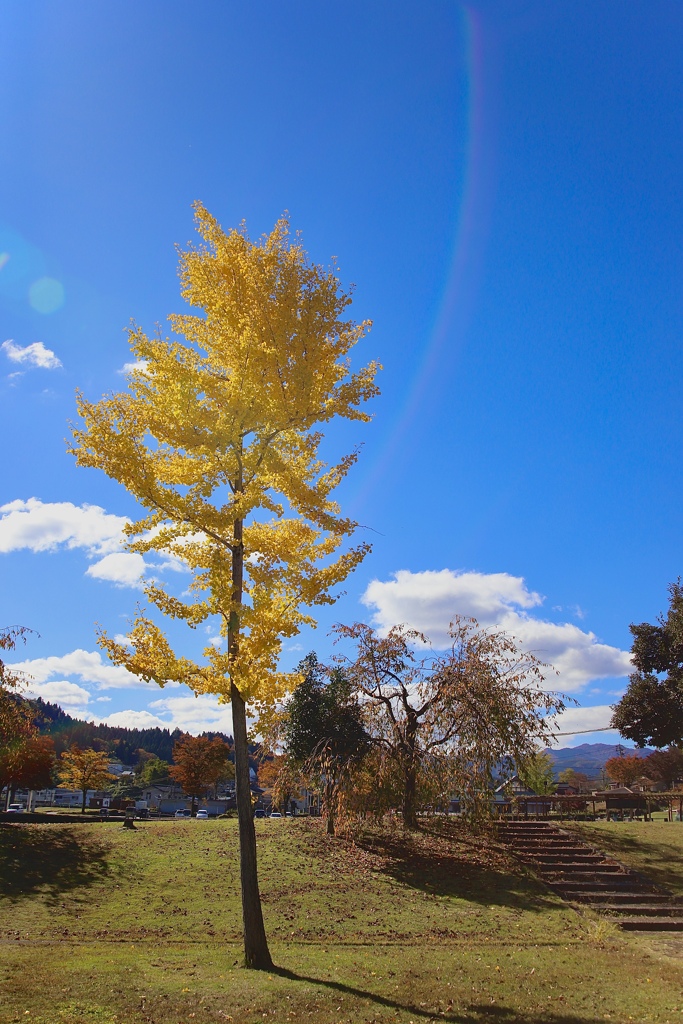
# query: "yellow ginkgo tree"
[[218, 437]]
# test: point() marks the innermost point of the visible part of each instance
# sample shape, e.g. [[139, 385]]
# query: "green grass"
[[102, 925], [654, 848]]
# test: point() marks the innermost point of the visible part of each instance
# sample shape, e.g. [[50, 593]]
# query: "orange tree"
[[27, 764], [626, 769], [199, 764], [17, 718], [282, 778], [16, 715], [218, 437]]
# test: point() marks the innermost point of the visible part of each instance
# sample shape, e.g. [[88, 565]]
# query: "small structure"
[[620, 799]]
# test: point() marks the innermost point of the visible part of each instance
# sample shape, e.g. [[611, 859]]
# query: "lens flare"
[[456, 298], [46, 295]]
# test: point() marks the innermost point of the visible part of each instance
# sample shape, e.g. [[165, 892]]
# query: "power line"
[[579, 732]]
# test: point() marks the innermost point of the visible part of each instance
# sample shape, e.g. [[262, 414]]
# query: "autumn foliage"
[[84, 770], [626, 769], [444, 724], [200, 764], [16, 716], [27, 763], [218, 437]]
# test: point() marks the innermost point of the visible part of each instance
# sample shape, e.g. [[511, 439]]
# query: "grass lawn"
[[98, 924], [653, 847]]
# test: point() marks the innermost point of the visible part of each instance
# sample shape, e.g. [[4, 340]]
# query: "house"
[[509, 795], [60, 797]]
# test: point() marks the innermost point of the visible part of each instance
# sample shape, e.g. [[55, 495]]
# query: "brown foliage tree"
[[268, 770], [16, 716], [27, 764], [625, 770], [579, 780], [200, 763], [282, 778], [454, 718], [664, 766]]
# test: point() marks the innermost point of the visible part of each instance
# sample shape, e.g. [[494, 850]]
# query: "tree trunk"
[[85, 793], [410, 773], [409, 794], [256, 952], [330, 807]]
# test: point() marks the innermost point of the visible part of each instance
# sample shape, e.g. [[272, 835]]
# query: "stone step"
[[639, 909], [526, 829], [649, 924], [538, 845], [580, 874], [540, 842], [555, 858], [574, 885], [624, 899], [582, 871], [536, 831]]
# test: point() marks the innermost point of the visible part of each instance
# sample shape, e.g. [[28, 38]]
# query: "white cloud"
[[60, 691], [428, 601], [579, 720], [46, 526], [87, 666], [196, 714], [135, 720], [33, 355], [123, 568], [141, 365], [585, 725], [49, 526]]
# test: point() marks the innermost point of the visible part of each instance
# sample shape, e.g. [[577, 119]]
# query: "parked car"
[[184, 813], [202, 814], [275, 814], [260, 813], [16, 809]]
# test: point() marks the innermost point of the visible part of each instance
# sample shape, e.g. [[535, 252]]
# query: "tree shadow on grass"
[[659, 861], [475, 1011], [457, 863], [53, 861]]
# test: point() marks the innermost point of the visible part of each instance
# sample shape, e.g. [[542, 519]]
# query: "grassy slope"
[[102, 925], [653, 847]]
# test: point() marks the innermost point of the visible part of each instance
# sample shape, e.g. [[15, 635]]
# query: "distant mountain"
[[589, 757]]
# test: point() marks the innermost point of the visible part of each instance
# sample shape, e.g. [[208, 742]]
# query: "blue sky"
[[500, 181]]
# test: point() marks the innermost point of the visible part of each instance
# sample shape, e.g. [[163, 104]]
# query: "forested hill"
[[118, 741], [588, 757]]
